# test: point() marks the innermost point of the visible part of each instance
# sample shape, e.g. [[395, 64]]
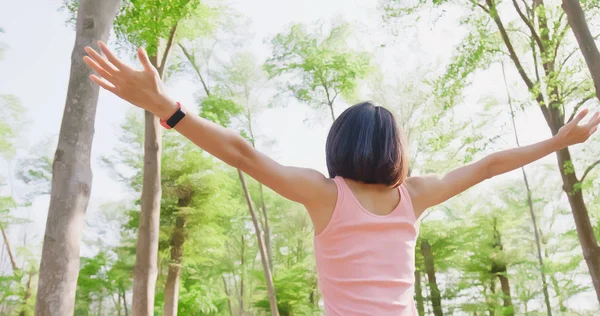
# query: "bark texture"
[[71, 171]]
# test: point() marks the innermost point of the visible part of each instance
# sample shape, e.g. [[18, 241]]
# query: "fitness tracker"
[[174, 119]]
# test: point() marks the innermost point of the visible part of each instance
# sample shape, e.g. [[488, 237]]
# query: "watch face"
[[173, 120]]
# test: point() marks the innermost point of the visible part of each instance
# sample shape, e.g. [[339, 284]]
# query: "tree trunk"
[[591, 250], [552, 111], [146, 270], [530, 205], [505, 285], [331, 111], [436, 298], [419, 293], [261, 247], [266, 227], [243, 275], [491, 299], [177, 241], [125, 302], [587, 44], [13, 262], [27, 296], [228, 295], [100, 299], [118, 303], [71, 171], [585, 231]]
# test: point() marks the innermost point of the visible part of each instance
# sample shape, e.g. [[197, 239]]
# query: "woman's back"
[[365, 261]]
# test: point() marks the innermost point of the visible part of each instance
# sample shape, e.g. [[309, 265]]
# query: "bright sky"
[[36, 69]]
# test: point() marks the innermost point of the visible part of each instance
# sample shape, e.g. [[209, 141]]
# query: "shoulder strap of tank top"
[[407, 202]]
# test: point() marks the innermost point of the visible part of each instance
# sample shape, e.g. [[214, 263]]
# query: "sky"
[[36, 69]]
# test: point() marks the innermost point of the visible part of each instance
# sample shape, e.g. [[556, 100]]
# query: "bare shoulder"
[[419, 190], [321, 204], [323, 192], [417, 185]]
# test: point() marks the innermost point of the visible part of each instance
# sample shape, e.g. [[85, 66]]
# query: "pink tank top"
[[366, 262]]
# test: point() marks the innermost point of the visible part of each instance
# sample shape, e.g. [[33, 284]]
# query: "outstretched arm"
[[429, 191], [145, 89]]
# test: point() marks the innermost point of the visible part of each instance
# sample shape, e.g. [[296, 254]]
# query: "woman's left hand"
[[573, 133]]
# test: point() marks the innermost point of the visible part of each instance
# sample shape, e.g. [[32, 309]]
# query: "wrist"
[[558, 142], [166, 107]]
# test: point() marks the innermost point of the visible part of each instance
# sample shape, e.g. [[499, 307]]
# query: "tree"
[[554, 83], [587, 43], [148, 23], [195, 201], [534, 220], [324, 64], [244, 81], [228, 109], [71, 176]]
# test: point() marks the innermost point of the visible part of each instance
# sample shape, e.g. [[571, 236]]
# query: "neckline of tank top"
[[362, 208]]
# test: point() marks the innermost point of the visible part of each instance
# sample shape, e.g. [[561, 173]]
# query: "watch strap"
[[174, 119]]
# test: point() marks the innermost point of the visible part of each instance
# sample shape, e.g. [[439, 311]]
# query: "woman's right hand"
[[142, 88]]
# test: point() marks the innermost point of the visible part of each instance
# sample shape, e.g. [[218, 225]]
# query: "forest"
[[103, 212]]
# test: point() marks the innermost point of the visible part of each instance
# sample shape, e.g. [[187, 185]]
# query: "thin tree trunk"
[[505, 285], [28, 294], [589, 245], [587, 44], [146, 270], [228, 295], [13, 262], [500, 270], [530, 204], [436, 298], [100, 299], [331, 112], [118, 303], [177, 241], [554, 116], [243, 275], [491, 305], [419, 293], [125, 301], [261, 247], [263, 207], [267, 230], [71, 171]]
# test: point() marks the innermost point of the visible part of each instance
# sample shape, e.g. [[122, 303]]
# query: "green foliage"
[[145, 23], [473, 53], [325, 65], [219, 110], [292, 291], [11, 119]]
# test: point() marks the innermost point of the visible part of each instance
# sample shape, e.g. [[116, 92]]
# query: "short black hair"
[[365, 144]]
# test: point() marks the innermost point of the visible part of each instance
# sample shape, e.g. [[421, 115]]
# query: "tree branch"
[[513, 55], [536, 37], [13, 262], [482, 7], [576, 18], [587, 171], [580, 104], [161, 67], [192, 61], [559, 39], [527, 8]]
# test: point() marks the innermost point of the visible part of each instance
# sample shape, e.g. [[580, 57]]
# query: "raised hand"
[[573, 133], [142, 88]]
